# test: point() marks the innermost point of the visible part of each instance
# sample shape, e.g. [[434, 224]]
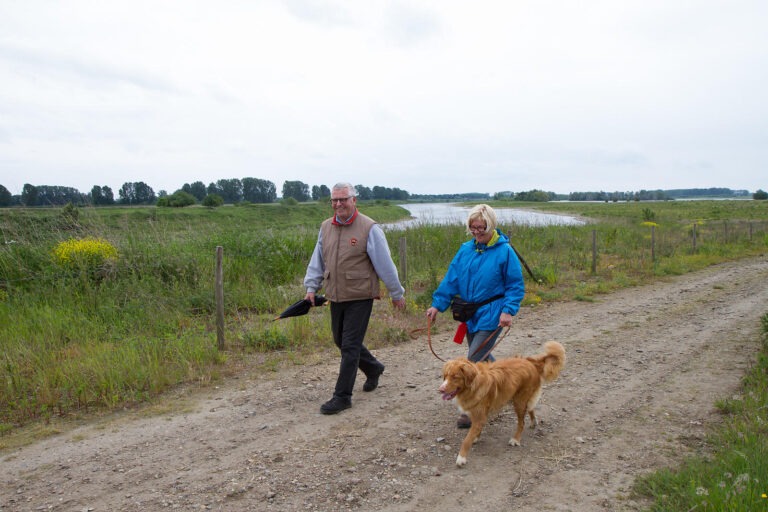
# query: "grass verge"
[[733, 475]]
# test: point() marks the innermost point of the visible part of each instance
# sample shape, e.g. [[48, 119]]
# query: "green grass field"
[[84, 327]]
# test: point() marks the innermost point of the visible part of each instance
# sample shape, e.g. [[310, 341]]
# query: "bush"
[[178, 199], [213, 200]]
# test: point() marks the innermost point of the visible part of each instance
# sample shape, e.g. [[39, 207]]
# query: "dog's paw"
[[514, 442], [461, 461]]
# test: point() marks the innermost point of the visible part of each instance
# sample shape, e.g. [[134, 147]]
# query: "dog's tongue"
[[448, 396]]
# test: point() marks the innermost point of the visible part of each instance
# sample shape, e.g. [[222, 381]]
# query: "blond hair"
[[486, 214]]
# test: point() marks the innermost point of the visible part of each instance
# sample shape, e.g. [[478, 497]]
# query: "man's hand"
[[398, 304]]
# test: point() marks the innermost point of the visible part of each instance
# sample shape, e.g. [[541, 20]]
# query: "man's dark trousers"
[[349, 322]]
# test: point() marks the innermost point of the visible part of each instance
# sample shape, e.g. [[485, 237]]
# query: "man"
[[350, 257]]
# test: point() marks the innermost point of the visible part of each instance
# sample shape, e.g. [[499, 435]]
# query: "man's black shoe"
[[335, 405], [372, 382]]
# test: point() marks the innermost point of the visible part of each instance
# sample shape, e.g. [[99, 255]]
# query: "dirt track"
[[645, 366]]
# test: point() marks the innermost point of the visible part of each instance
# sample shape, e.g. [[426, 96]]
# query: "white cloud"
[[427, 96]]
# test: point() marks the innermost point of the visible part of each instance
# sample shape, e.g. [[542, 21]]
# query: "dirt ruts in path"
[[645, 366]]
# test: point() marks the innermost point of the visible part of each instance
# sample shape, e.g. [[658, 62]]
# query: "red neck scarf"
[[336, 221]]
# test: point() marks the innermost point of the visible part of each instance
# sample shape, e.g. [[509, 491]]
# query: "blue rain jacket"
[[479, 272]]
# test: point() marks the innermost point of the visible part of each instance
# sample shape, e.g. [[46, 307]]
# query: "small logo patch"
[[353, 241]]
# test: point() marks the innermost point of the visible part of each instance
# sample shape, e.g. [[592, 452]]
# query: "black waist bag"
[[463, 310]]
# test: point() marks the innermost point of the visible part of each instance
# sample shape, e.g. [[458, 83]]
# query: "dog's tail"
[[550, 362]]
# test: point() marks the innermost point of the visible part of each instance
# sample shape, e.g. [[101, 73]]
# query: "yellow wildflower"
[[86, 253]]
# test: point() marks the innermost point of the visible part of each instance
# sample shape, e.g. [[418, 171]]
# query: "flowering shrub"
[[84, 254]]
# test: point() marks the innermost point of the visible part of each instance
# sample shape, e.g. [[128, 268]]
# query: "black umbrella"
[[301, 307]]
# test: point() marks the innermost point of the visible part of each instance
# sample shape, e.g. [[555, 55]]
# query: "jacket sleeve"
[[313, 279], [514, 285], [378, 252], [449, 286]]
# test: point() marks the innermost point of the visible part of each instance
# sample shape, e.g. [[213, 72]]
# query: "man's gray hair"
[[348, 186]]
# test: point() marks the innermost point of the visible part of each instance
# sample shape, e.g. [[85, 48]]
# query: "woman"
[[483, 268]]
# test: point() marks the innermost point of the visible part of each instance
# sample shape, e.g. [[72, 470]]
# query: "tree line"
[[255, 190], [232, 191], [664, 195]]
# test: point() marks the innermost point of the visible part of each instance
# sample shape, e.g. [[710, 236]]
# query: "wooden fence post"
[[219, 287], [694, 237]]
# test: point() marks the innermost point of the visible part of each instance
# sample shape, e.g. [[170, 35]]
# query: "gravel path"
[[645, 366]]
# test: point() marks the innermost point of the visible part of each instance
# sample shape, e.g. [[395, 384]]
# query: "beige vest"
[[349, 273]]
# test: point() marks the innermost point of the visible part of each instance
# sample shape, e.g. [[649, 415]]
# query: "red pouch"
[[461, 332]]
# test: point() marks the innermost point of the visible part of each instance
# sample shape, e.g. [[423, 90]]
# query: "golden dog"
[[482, 389]]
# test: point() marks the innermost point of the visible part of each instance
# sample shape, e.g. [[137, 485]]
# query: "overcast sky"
[[429, 96]]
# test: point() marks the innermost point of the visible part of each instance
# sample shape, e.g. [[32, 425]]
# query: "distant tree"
[[259, 191], [297, 190], [231, 190], [379, 192], [5, 197], [29, 195], [535, 195], [363, 193], [399, 194], [96, 195], [127, 193], [213, 200], [56, 195], [108, 195], [197, 189], [102, 196], [320, 192], [136, 193], [760, 195]]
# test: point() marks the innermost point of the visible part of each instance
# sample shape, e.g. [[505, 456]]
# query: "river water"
[[452, 213]]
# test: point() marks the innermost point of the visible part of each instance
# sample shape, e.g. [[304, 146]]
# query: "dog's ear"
[[469, 371], [448, 368]]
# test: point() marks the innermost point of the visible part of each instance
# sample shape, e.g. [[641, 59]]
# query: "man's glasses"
[[340, 200]]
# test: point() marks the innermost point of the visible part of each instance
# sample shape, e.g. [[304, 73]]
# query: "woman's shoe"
[[464, 421]]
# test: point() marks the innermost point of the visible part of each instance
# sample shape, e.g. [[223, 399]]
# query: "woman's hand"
[[505, 320], [432, 313]]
